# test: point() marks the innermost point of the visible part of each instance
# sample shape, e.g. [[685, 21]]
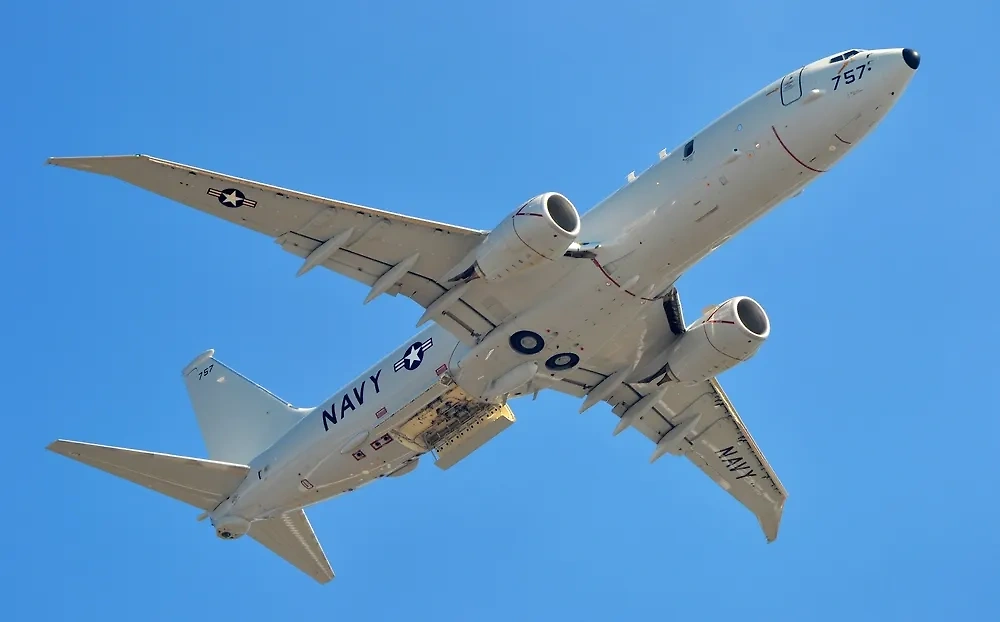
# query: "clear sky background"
[[874, 399]]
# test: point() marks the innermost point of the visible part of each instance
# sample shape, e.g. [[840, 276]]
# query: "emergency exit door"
[[791, 87]]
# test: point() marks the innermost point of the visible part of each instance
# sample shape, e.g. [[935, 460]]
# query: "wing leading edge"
[[719, 443], [358, 242], [697, 421]]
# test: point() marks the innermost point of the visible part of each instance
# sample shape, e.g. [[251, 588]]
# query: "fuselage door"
[[791, 87]]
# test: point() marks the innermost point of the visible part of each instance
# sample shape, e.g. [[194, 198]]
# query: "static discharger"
[[390, 277], [325, 250]]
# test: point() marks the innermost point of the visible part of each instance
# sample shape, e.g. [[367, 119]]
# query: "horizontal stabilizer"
[[198, 482], [292, 538]]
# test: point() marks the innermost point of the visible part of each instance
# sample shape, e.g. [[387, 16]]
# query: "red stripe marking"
[[520, 213], [606, 275], [815, 170], [711, 321], [616, 283]]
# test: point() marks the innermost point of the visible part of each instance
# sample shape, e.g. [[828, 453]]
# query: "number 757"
[[849, 76]]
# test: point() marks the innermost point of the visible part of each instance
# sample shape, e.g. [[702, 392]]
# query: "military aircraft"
[[549, 299]]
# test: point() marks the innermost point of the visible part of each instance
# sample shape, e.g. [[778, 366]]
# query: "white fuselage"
[[647, 234]]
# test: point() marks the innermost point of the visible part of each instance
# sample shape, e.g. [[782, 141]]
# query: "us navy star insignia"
[[413, 356], [231, 197]]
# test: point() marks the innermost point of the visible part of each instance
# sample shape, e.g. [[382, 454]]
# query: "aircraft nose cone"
[[911, 58]]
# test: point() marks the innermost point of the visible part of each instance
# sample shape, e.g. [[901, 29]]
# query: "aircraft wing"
[[719, 443], [363, 243]]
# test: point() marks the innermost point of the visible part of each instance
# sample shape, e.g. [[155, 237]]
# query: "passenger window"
[[689, 149]]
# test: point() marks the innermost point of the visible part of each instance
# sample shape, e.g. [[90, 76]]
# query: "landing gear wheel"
[[527, 342], [564, 360]]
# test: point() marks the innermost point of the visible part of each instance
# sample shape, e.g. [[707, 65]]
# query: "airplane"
[[549, 299]]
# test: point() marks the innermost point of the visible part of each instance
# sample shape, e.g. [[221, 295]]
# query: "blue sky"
[[873, 399]]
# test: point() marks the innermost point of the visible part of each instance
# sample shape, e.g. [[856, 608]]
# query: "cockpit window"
[[844, 56], [689, 149]]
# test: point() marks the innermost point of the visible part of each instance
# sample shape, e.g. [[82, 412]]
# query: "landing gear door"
[[791, 87]]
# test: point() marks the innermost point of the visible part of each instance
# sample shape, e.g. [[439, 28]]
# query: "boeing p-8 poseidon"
[[547, 300]]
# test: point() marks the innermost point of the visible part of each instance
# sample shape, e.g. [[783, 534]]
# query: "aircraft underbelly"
[[707, 212], [443, 418], [597, 298]]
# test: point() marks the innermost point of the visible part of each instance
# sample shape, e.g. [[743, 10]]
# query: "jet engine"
[[542, 229], [723, 337]]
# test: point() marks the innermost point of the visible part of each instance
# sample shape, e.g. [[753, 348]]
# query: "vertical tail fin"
[[238, 418]]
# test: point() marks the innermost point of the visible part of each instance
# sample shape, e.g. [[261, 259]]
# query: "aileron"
[[712, 434], [361, 243], [143, 171]]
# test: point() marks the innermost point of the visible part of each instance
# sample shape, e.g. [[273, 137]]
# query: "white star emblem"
[[412, 356], [231, 198]]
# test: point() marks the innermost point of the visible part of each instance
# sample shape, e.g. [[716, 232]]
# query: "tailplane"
[[292, 538], [201, 483], [238, 418], [205, 484]]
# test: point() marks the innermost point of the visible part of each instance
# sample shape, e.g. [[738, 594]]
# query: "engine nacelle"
[[540, 230], [231, 527], [721, 339]]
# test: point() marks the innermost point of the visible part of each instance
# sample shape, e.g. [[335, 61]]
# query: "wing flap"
[[300, 222], [197, 482], [720, 445], [727, 453], [462, 319], [291, 537], [376, 239]]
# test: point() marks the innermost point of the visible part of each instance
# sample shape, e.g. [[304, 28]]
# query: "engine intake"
[[541, 230], [722, 338]]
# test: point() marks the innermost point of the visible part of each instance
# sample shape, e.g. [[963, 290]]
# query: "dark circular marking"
[[561, 361], [527, 342]]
